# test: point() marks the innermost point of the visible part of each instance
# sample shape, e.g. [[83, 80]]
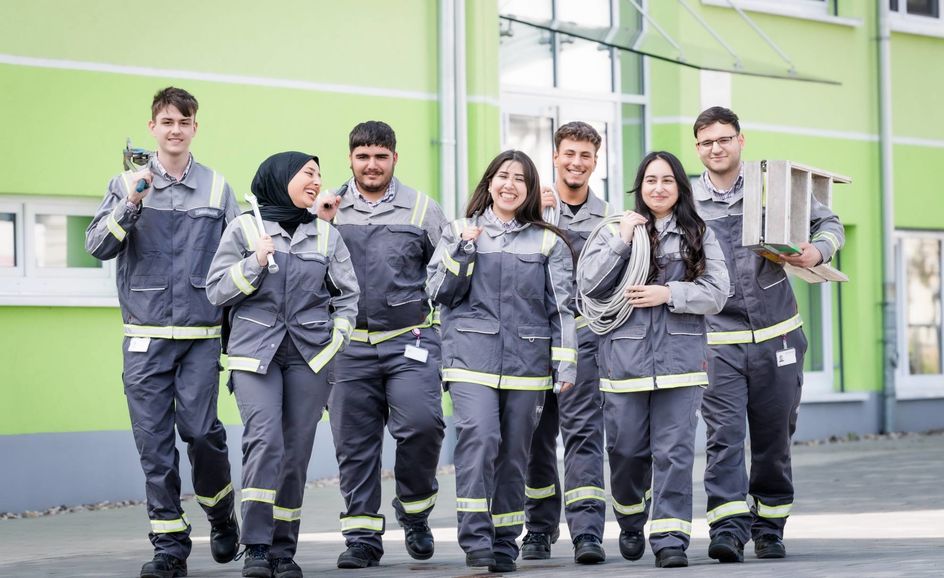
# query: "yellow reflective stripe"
[[457, 226], [360, 335], [242, 364], [471, 505], [114, 228], [210, 502], [216, 191], [250, 231], [564, 354], [470, 268], [286, 514], [681, 380], [539, 493], [631, 509], [726, 510], [375, 337], [525, 383], [613, 229], [665, 525], [258, 495], [318, 362], [509, 519], [581, 321], [419, 209], [627, 385], [243, 284], [419, 505], [761, 335], [467, 375], [171, 332], [829, 238], [436, 319], [181, 524], [324, 235], [547, 242], [584, 493], [765, 511], [343, 325], [451, 264], [362, 523], [730, 337], [126, 179]]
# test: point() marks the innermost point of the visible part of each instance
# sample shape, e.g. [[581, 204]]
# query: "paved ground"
[[865, 508]]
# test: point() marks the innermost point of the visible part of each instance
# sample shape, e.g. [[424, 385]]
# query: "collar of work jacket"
[[594, 207], [352, 199], [701, 192], [494, 228], [162, 182], [304, 231]]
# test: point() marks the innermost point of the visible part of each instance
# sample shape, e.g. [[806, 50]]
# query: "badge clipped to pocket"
[[787, 355], [139, 344], [415, 352]]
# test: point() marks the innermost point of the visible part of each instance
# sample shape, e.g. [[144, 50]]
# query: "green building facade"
[[458, 80]]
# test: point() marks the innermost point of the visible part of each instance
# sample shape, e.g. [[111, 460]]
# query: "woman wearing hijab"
[[286, 327]]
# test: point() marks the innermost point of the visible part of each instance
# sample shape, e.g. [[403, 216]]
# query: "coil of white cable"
[[604, 314]]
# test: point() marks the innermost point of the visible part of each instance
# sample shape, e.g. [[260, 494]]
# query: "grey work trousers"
[[494, 429], [280, 411], [176, 383], [377, 385], [650, 439], [578, 413], [749, 389]]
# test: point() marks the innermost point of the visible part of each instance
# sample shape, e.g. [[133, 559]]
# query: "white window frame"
[[820, 383], [30, 285], [817, 10], [908, 386], [901, 21]]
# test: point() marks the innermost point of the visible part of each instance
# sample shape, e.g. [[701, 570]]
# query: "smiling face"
[[720, 159], [305, 185], [373, 168], [574, 162], [508, 190], [173, 131], [659, 188]]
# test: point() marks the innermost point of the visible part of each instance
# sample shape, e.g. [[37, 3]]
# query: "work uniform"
[[377, 383], [652, 371], [508, 334], [755, 366], [171, 347], [579, 415], [286, 328]]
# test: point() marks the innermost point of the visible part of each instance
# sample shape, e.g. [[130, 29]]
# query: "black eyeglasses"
[[723, 141]]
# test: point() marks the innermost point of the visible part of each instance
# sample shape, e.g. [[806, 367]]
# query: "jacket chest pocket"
[[405, 245], [205, 227], [770, 274], [529, 275], [313, 267], [671, 267], [684, 324]]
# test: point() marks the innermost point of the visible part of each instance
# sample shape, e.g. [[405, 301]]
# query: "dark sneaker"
[[256, 563], [588, 549], [726, 549], [769, 546], [285, 568], [503, 564], [671, 558], [358, 556], [224, 540], [479, 559], [536, 546], [164, 566], [632, 545], [419, 541]]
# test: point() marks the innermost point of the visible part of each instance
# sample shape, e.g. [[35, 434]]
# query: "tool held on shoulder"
[[469, 245], [135, 159], [787, 355], [251, 199], [415, 352]]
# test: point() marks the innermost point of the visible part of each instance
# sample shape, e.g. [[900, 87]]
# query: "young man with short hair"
[[755, 356], [164, 236]]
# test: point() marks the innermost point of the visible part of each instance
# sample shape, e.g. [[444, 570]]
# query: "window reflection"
[[923, 278], [60, 242], [7, 240]]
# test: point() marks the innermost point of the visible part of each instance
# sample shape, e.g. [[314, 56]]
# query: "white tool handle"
[[251, 199]]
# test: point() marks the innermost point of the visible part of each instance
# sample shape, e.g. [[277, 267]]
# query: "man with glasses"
[[755, 356]]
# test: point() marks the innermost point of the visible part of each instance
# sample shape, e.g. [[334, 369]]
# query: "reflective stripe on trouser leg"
[[772, 416], [724, 409], [542, 488], [305, 395], [581, 426], [673, 415], [627, 432]]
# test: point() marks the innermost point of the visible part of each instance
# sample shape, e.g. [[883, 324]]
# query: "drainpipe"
[[890, 338], [447, 107], [462, 111]]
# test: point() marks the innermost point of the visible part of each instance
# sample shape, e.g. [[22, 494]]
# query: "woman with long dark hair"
[[503, 279], [652, 368]]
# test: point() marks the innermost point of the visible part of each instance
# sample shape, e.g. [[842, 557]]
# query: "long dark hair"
[[530, 210], [686, 218]]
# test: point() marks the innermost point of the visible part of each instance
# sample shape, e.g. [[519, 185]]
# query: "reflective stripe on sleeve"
[[564, 354], [319, 361], [114, 228], [243, 284]]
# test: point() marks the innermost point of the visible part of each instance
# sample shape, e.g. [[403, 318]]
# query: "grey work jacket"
[[390, 245], [164, 249], [578, 228], [761, 304], [657, 347], [312, 298], [506, 317]]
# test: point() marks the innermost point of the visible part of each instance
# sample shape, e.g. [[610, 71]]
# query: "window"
[[929, 8], [916, 17], [42, 254], [919, 320]]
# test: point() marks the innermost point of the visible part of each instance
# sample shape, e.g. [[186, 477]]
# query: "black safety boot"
[[256, 563], [725, 548], [285, 568], [632, 545], [479, 559], [536, 546], [769, 546], [671, 558], [358, 556], [588, 549], [419, 541], [503, 564], [164, 566], [224, 540]]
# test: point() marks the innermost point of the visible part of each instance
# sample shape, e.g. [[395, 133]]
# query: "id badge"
[[786, 357], [416, 353], [139, 344]]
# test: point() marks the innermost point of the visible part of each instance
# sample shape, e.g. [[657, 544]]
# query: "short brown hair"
[[716, 114], [578, 131], [179, 98]]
